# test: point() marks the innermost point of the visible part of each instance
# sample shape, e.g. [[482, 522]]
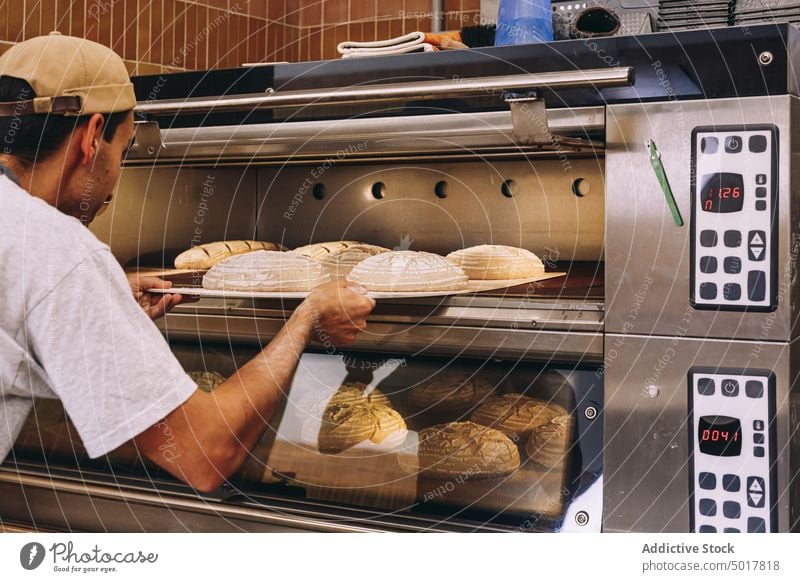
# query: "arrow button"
[[756, 238], [755, 485], [755, 500]]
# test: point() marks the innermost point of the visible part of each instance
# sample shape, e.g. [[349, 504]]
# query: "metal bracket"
[[529, 121], [147, 139]]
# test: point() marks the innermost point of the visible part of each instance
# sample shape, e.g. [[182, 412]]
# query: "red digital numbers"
[[726, 192], [715, 435]]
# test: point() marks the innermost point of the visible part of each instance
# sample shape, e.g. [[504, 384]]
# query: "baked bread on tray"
[[318, 250], [515, 414], [549, 443], [346, 425], [340, 263], [466, 449], [497, 262], [449, 393], [266, 271], [408, 271], [207, 255]]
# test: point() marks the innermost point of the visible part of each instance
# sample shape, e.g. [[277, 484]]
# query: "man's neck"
[[40, 181]]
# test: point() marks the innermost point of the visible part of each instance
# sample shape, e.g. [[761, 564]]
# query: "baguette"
[[207, 255]]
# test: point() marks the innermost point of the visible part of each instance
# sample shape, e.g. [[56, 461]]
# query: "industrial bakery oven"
[[655, 172]]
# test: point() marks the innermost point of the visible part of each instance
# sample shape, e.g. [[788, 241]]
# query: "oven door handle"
[[447, 88]]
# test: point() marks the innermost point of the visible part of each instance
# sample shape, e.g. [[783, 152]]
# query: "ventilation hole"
[[440, 189], [509, 188], [581, 187], [379, 190], [319, 191]]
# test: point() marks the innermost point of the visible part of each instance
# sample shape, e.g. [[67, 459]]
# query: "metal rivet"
[[590, 412], [581, 518], [765, 58], [651, 391], [151, 150]]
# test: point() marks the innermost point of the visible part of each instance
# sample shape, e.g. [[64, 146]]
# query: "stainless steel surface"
[[156, 209], [457, 87], [544, 215], [645, 465], [301, 141], [647, 256]]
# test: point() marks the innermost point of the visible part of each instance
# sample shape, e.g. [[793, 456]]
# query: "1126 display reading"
[[722, 192], [720, 436]]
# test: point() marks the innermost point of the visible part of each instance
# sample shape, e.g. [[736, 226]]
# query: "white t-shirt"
[[71, 329]]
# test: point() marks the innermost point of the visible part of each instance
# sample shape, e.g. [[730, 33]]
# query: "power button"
[[733, 144]]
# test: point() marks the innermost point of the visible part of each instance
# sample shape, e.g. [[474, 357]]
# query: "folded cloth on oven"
[[408, 43]]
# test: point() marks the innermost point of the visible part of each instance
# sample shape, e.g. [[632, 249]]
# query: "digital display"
[[722, 192], [720, 436]]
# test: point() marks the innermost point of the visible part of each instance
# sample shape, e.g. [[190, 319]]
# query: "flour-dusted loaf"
[[515, 414], [266, 271], [408, 271], [346, 425], [207, 255], [340, 263], [549, 443], [449, 393], [466, 449], [207, 381], [318, 250], [497, 262]]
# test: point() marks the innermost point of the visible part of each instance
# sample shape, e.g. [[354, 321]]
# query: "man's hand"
[[340, 312], [154, 304]]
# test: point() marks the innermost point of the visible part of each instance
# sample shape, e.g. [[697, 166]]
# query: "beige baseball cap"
[[70, 76]]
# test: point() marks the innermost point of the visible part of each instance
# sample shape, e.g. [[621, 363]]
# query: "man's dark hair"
[[32, 137]]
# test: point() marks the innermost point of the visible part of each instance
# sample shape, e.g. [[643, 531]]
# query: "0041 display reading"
[[722, 192], [720, 436]]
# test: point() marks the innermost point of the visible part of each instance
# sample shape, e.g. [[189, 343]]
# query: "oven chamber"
[[617, 341]]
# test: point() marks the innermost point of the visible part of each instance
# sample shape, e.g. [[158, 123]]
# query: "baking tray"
[[474, 286]]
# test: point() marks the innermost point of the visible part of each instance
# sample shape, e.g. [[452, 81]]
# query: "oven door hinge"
[[529, 120], [147, 141]]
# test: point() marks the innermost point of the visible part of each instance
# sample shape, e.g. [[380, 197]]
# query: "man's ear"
[[90, 139]]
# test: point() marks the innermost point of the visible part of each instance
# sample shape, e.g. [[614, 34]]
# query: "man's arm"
[[154, 304], [210, 435]]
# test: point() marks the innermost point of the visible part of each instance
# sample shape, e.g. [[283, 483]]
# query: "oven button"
[[708, 238], [754, 389], [731, 530], [730, 387], [761, 192], [755, 492], [733, 144], [732, 238], [761, 179], [732, 265], [731, 510], [758, 452], [708, 507], [756, 525], [709, 145], [731, 483], [761, 205], [756, 285], [705, 386], [708, 529], [757, 144], [708, 480], [708, 291], [758, 438], [732, 291], [708, 264], [758, 425]]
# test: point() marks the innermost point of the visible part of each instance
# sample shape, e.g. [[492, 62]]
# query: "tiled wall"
[[172, 35]]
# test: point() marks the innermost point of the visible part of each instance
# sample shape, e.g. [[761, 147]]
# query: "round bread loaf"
[[340, 263], [317, 251], [497, 262], [207, 381], [346, 425], [549, 443], [408, 271], [450, 393], [266, 271], [466, 449], [359, 393], [515, 414], [207, 255]]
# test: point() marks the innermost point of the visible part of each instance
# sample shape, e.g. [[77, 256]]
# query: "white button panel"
[[734, 200], [732, 454]]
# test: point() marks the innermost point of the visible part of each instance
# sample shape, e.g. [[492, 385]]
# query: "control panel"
[[732, 449], [734, 218]]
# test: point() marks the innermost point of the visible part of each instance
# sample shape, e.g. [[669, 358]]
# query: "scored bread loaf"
[[359, 393], [451, 393], [515, 414], [340, 263], [466, 449], [408, 271], [346, 425], [318, 250], [266, 271], [497, 262], [207, 255], [549, 443]]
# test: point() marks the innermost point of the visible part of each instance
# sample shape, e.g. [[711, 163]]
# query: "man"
[[70, 327]]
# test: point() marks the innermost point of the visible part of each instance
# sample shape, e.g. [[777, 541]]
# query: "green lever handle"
[[661, 175]]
